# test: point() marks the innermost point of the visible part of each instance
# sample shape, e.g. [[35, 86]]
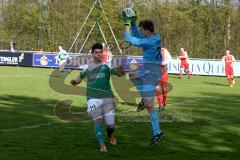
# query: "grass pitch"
[[201, 121]]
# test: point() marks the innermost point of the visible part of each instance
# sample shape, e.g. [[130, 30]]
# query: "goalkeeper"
[[99, 94], [148, 76]]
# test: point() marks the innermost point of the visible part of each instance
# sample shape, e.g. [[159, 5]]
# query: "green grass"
[[202, 121]]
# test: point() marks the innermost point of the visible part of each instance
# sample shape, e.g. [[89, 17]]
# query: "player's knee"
[[110, 119], [149, 102], [150, 108], [110, 126], [158, 88], [98, 120]]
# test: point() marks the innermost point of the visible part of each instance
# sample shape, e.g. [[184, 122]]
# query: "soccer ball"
[[133, 65]]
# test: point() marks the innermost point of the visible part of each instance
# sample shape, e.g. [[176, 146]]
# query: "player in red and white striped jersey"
[[162, 87], [228, 61], [183, 56]]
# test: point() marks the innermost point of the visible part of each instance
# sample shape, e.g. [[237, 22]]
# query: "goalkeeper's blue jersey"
[[151, 45]]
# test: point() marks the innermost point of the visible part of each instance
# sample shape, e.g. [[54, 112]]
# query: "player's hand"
[[134, 18], [127, 22], [74, 82], [121, 71]]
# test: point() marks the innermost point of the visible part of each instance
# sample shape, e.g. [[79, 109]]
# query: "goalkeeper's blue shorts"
[[147, 79]]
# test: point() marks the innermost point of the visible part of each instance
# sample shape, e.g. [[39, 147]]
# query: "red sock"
[[164, 98], [189, 73], [229, 82], [159, 98], [180, 72]]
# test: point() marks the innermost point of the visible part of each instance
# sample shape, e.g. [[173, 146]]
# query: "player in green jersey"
[[62, 58], [100, 98]]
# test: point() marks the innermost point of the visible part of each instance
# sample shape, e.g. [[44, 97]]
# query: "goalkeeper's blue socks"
[[154, 117], [99, 133]]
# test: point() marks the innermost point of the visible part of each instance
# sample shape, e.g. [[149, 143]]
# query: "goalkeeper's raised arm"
[[129, 17]]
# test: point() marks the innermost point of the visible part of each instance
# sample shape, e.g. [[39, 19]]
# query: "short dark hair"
[[97, 46], [228, 49], [147, 25]]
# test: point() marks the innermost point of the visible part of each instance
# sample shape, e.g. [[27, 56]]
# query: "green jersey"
[[98, 80], [62, 54]]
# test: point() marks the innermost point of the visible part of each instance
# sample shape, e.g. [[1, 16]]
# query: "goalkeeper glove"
[[127, 22], [134, 18], [128, 16]]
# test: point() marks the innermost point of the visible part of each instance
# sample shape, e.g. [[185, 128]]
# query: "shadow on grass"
[[24, 110], [213, 134], [215, 126], [216, 84]]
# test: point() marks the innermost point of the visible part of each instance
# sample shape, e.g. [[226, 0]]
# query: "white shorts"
[[97, 108], [62, 64]]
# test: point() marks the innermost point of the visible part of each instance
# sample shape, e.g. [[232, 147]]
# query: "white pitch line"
[[20, 76], [30, 127], [14, 76]]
